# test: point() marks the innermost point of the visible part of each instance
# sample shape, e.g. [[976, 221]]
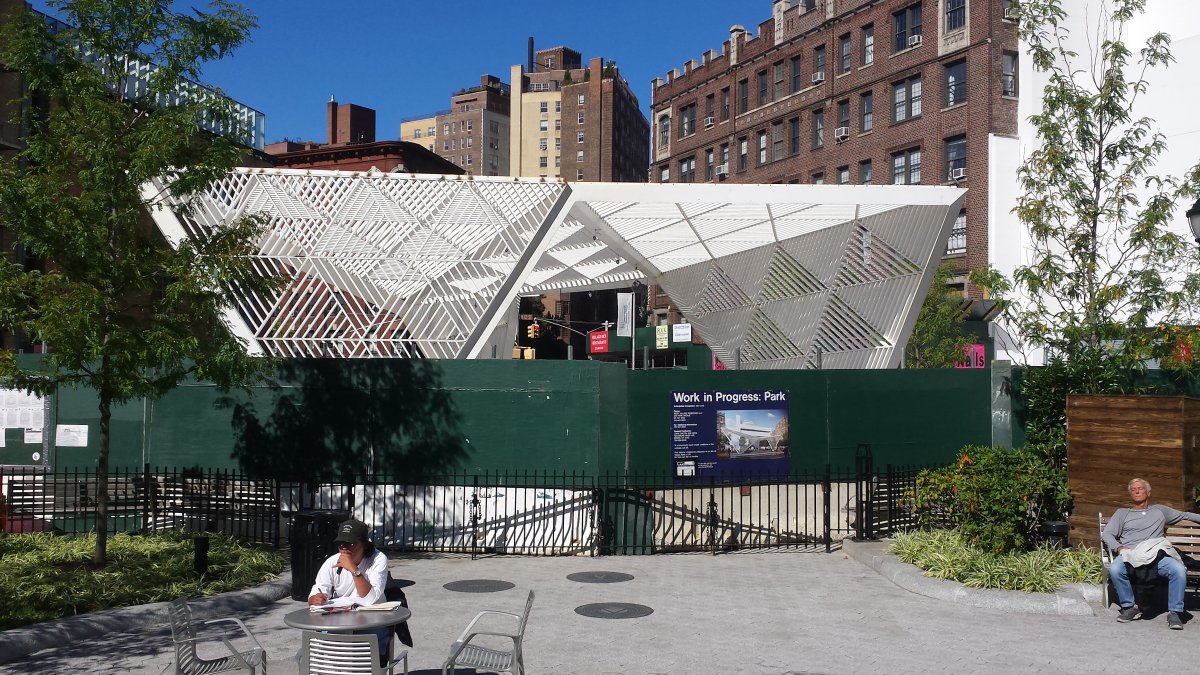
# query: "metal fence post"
[[827, 488], [712, 515], [475, 517]]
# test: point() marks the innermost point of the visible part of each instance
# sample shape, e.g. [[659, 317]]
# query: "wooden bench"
[[1184, 536]]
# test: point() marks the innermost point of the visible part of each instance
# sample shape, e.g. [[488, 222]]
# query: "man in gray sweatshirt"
[[1136, 535]]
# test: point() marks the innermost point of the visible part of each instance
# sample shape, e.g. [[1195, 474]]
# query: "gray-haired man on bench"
[[1137, 537]]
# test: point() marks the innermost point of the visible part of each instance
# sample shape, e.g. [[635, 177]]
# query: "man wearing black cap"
[[356, 574]]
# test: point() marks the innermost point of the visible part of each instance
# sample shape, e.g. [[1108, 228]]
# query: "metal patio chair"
[[186, 637], [464, 653], [340, 653]]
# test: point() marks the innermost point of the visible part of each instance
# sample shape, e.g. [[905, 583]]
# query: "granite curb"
[[1074, 600], [17, 643]]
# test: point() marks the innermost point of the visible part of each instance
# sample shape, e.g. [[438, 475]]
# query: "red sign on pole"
[[598, 341]]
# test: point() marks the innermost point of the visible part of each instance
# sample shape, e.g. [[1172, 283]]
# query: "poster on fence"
[[729, 435]]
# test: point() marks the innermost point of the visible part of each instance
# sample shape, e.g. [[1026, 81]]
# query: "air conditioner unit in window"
[[818, 77], [722, 170], [1010, 13], [958, 174], [914, 40], [709, 121], [841, 133]]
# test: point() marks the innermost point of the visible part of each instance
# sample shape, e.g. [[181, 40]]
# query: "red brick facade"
[[971, 109]]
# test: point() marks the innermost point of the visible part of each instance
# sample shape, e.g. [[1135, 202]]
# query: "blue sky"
[[390, 55]]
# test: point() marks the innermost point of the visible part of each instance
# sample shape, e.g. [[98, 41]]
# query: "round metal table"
[[347, 622]]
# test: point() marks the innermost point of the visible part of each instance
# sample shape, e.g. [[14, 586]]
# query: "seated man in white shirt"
[[356, 574]]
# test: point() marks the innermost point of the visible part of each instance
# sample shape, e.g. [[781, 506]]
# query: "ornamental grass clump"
[[995, 497], [50, 577], [946, 554]]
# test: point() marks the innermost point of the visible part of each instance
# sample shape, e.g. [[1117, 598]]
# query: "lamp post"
[[1193, 216]]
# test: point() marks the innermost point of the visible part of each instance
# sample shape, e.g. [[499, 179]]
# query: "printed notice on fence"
[[71, 435], [19, 410], [729, 435]]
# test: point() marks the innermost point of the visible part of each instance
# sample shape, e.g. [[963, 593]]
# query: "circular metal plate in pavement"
[[613, 610], [600, 577], [478, 586]]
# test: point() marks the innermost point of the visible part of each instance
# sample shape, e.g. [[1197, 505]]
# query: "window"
[[844, 53], [1008, 74], [906, 167], [579, 137], [907, 23], [445, 127], [445, 145], [864, 172], [470, 142], [558, 106], [557, 143], [709, 105], [843, 175], [664, 174], [1010, 9], [867, 111], [469, 125], [743, 96], [432, 131], [906, 98], [762, 148], [797, 76], [764, 92], [687, 170], [708, 164], [579, 156], [470, 160], [725, 155], [818, 178], [844, 114], [542, 161], [819, 59], [868, 44], [743, 151], [544, 126], [416, 133], [818, 128], [542, 144], [581, 99], [956, 157], [795, 133], [580, 117], [958, 235], [780, 80], [956, 83], [579, 174], [687, 120], [558, 125], [777, 141], [725, 103], [558, 160], [544, 107], [956, 14], [494, 127]]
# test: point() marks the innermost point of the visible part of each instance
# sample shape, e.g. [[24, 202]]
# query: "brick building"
[[856, 91], [351, 146], [575, 122]]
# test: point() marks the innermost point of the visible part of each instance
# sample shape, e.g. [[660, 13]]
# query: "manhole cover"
[[478, 586], [613, 610], [600, 577]]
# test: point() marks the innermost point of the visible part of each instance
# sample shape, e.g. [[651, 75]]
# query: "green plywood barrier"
[[415, 419]]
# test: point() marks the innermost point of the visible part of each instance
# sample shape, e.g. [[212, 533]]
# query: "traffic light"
[[534, 331]]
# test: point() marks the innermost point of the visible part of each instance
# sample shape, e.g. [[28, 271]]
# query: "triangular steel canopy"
[[394, 265]]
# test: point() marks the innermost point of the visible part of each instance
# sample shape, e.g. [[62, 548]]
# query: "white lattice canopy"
[[391, 265]]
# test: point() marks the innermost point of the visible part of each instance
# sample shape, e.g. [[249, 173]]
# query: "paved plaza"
[[745, 612]]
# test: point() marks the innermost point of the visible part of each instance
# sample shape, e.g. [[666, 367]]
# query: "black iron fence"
[[525, 513]]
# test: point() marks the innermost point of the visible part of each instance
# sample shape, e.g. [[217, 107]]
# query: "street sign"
[[598, 341], [527, 317]]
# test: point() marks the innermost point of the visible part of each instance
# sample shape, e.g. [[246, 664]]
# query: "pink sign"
[[975, 357]]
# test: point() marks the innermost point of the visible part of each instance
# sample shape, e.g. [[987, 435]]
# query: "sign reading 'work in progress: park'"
[[729, 434]]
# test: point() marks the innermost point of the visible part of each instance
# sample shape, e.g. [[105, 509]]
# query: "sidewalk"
[[749, 612]]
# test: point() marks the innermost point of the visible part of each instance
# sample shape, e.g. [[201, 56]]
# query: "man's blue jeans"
[[1168, 567]]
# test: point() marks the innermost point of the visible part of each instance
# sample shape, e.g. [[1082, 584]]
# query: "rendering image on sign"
[[729, 435]]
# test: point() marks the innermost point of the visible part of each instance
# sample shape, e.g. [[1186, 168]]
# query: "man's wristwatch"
[[357, 573]]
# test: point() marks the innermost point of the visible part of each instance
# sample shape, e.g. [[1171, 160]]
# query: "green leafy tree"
[[1105, 265], [124, 313], [937, 340]]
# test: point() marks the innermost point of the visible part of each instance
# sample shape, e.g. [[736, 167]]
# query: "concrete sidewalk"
[[747, 612]]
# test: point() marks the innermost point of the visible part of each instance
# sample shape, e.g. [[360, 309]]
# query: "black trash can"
[[1054, 533], [311, 537]]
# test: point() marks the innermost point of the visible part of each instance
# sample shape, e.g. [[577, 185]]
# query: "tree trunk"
[[101, 557]]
